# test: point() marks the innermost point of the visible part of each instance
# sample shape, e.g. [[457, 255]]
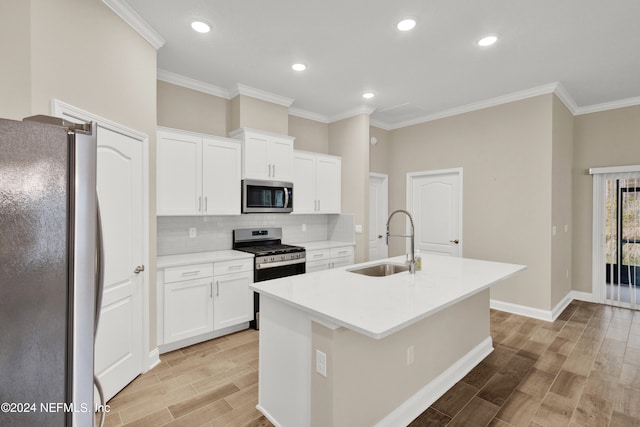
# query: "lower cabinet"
[[201, 299], [188, 301], [325, 259], [233, 300]]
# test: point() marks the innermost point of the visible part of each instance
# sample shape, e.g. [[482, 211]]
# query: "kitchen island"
[[344, 349]]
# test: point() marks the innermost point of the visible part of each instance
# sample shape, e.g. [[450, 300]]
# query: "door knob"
[[139, 269], [455, 241]]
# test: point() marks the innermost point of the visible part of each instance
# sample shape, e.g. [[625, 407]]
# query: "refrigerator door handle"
[[99, 266]]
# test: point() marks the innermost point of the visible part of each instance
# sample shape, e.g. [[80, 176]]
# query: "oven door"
[[266, 196], [268, 274]]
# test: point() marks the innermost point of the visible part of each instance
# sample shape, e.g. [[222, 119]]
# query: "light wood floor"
[[581, 370]]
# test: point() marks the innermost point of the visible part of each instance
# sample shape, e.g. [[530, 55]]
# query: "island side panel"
[[368, 379], [284, 386]]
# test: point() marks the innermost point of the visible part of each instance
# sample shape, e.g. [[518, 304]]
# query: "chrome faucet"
[[411, 258]]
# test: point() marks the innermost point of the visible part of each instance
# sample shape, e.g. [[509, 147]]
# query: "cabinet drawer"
[[187, 272], [318, 255], [342, 252], [233, 266]]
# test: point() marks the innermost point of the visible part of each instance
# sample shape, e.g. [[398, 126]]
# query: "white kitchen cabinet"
[[325, 259], [188, 301], [265, 155], [197, 174], [317, 183], [232, 299]]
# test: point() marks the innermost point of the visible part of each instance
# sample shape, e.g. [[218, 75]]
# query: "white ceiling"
[[590, 47]]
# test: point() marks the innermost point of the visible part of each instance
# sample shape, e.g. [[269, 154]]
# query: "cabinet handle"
[[234, 267], [205, 203], [318, 255], [343, 252], [199, 203], [269, 170], [189, 273], [217, 288], [274, 170], [210, 289], [318, 205]]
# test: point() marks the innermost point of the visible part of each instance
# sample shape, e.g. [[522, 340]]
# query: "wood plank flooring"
[[581, 370]]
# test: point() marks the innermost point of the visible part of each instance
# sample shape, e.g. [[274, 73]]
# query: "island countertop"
[[379, 306]]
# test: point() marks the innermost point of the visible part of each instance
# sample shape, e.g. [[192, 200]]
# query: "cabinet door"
[[304, 183], [233, 300], [179, 174], [328, 184], [255, 163], [281, 159], [317, 266], [221, 175], [188, 307]]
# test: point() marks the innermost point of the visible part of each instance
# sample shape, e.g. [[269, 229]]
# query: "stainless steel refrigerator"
[[49, 271]]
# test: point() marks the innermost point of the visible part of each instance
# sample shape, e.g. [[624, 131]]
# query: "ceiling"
[[590, 47]]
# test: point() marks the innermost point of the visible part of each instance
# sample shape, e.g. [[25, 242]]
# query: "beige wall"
[[15, 44], [356, 392], [82, 53], [561, 211], [608, 138], [379, 153], [349, 139], [310, 135], [505, 152], [188, 109], [248, 112]]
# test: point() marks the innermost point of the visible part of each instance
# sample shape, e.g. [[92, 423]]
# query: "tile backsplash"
[[214, 233]]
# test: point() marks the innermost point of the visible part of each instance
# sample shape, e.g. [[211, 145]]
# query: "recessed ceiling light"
[[368, 95], [200, 26], [406, 24], [488, 40], [299, 67]]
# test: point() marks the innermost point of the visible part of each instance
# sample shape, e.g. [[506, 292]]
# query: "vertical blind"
[[622, 239]]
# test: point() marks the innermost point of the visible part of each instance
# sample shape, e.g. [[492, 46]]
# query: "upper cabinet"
[[265, 155], [317, 183], [197, 174]]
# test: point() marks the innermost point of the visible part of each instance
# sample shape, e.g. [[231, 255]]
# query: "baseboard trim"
[[153, 359], [537, 313], [267, 415], [425, 397]]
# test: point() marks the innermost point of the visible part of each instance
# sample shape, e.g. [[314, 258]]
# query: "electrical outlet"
[[192, 232], [321, 363], [411, 356], [358, 228]]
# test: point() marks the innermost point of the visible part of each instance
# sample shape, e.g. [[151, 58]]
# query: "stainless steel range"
[[272, 259]]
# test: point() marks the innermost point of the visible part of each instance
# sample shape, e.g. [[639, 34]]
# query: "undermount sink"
[[380, 270]]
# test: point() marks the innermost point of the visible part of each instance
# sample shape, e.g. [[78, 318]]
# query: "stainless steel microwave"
[[260, 196]]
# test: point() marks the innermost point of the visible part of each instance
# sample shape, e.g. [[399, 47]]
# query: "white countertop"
[[379, 306], [200, 257], [323, 244]]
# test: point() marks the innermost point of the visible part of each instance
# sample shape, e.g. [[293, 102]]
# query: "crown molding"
[[380, 124], [596, 108], [310, 115], [491, 102], [241, 89], [135, 21], [364, 109], [189, 83], [563, 95]]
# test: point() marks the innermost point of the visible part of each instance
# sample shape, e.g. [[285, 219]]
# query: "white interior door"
[[435, 201], [378, 213], [118, 350]]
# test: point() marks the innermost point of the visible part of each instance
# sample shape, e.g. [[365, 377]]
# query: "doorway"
[[378, 213], [122, 336], [434, 199], [616, 235]]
